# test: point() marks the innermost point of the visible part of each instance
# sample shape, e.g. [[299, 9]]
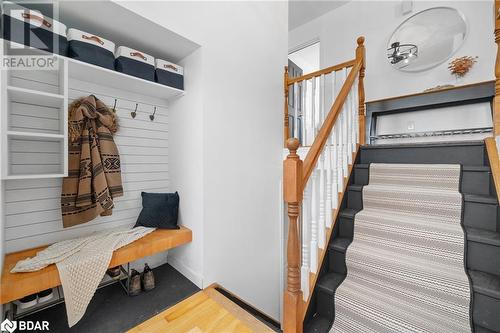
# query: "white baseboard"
[[186, 271]]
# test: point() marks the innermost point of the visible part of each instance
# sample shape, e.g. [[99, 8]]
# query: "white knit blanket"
[[82, 263]]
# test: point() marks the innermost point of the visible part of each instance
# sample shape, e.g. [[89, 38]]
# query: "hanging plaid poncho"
[[94, 176]]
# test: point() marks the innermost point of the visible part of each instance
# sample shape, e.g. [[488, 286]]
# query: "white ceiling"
[[303, 11]]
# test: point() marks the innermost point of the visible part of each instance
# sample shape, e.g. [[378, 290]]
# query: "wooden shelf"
[[29, 96], [35, 135], [82, 71]]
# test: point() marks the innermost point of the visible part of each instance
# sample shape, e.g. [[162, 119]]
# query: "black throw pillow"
[[159, 210]]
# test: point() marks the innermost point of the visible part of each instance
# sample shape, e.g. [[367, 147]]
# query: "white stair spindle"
[[322, 104], [306, 230], [309, 114], [353, 132], [335, 187], [314, 223], [340, 154], [356, 110], [351, 115], [347, 109], [349, 130], [322, 168], [328, 170], [322, 197], [314, 110], [346, 146], [295, 111], [355, 119], [304, 112], [345, 158], [334, 155]]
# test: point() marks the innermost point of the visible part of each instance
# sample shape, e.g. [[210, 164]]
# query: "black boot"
[[148, 278]]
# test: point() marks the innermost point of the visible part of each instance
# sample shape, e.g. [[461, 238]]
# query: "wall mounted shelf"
[[35, 135], [82, 71], [30, 96], [34, 126]]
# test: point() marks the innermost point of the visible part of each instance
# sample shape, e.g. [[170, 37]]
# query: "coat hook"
[[114, 106], [152, 117], [134, 113]]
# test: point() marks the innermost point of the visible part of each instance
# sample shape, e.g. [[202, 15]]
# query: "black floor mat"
[[112, 311]]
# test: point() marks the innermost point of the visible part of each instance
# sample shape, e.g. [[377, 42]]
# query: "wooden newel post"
[[496, 100], [361, 55], [292, 189], [285, 83]]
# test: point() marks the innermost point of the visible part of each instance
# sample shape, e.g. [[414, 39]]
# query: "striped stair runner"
[[405, 266]]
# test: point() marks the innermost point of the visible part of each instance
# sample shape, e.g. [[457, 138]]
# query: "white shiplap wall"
[[32, 207]]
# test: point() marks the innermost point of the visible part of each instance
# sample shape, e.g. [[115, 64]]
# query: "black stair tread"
[[330, 281], [348, 213], [480, 168], [484, 199], [354, 187], [486, 284], [340, 244], [318, 324], [424, 144], [483, 236], [480, 329], [362, 166]]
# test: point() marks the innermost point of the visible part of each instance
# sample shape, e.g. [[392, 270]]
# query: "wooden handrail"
[[296, 174], [493, 156], [326, 128], [361, 55], [325, 71]]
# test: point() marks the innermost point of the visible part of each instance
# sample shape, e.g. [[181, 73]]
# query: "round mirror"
[[426, 39]]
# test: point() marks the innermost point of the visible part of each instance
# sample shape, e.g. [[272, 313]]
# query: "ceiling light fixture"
[[401, 52]]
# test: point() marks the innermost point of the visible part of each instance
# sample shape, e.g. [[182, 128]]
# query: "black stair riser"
[[361, 176], [486, 312], [477, 182], [354, 199], [336, 261], [346, 227], [483, 257], [481, 216], [438, 154], [325, 304]]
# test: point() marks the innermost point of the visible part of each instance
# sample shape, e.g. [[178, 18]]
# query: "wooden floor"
[[206, 311]]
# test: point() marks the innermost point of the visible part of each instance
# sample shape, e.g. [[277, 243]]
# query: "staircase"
[[481, 220], [323, 179]]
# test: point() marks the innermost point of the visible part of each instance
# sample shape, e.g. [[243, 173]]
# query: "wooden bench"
[[17, 285]]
